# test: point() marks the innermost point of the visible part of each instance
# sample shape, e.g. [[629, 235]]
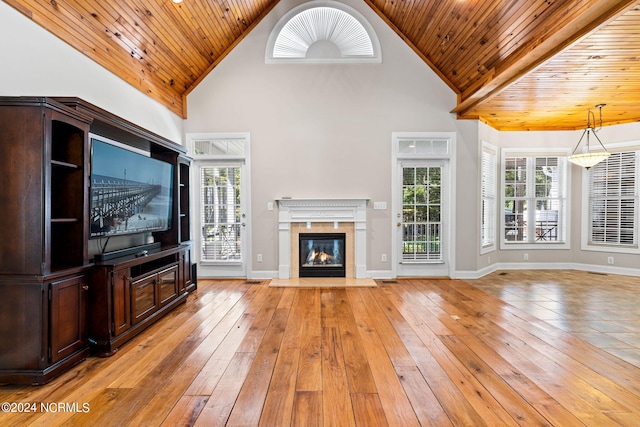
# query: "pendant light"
[[588, 158]]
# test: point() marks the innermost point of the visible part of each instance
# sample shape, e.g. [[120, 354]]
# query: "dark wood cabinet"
[[130, 293], [43, 250], [56, 303]]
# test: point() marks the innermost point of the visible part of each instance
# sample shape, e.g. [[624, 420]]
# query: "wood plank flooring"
[[415, 352], [601, 309]]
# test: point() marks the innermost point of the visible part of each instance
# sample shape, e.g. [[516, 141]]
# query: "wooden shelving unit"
[[51, 292]]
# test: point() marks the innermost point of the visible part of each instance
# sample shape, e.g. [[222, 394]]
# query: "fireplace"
[[299, 216], [322, 255]]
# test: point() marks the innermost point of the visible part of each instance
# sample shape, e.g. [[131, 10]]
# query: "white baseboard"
[[380, 274], [546, 266], [269, 274], [262, 274], [468, 274]]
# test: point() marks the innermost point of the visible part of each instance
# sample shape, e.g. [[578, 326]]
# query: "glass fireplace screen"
[[322, 255]]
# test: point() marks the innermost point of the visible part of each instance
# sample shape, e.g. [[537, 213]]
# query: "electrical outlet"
[[383, 258], [489, 260], [526, 257], [610, 260], [259, 257]]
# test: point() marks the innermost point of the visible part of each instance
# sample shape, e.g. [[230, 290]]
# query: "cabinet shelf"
[[64, 220], [64, 164]]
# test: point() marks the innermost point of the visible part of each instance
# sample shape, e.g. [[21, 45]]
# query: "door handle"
[[399, 224]]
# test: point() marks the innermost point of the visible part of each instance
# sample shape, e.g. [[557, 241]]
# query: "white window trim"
[[535, 152], [585, 246], [492, 151]]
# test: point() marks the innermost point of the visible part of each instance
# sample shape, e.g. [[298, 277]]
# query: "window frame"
[[586, 241], [564, 212]]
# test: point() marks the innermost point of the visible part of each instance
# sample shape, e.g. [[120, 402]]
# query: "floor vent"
[[598, 274], [253, 282], [502, 274], [390, 281]]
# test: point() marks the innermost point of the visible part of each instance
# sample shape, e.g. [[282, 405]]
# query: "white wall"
[[320, 130], [36, 63]]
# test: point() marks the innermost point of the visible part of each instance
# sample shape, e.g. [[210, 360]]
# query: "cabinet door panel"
[[144, 297], [121, 302], [168, 284], [68, 311]]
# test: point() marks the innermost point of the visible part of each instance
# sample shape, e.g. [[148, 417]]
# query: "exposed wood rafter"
[[514, 64]]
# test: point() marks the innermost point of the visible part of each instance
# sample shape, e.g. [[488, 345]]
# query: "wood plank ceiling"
[[515, 64]]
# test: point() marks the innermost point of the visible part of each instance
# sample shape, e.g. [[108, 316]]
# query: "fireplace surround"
[[348, 216]]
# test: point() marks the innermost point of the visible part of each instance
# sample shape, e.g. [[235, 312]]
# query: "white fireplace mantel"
[[322, 210]]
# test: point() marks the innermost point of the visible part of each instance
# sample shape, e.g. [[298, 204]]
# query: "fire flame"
[[319, 257]]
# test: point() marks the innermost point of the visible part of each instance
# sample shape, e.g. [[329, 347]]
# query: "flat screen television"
[[130, 191]]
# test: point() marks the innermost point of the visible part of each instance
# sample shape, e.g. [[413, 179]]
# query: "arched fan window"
[[323, 32]]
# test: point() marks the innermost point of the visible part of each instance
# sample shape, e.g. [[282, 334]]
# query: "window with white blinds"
[[613, 201], [489, 197], [535, 200]]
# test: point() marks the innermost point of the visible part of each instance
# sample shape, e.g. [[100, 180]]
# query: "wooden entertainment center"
[[59, 303]]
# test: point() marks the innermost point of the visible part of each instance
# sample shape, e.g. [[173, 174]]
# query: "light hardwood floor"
[[601, 309], [415, 352]]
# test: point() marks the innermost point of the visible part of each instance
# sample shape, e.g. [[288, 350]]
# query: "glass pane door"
[[222, 218], [421, 224]]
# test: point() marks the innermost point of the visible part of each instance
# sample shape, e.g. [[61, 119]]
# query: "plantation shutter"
[[489, 193], [613, 200]]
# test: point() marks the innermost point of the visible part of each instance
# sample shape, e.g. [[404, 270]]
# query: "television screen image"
[[130, 192]]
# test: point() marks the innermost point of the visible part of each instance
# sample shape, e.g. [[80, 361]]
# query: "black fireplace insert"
[[322, 255]]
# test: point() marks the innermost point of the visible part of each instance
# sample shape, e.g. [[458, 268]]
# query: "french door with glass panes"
[[422, 219], [223, 219]]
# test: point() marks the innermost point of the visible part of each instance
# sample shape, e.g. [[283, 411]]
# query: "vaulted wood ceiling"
[[515, 64]]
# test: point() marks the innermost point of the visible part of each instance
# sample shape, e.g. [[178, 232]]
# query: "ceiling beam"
[[535, 54]]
